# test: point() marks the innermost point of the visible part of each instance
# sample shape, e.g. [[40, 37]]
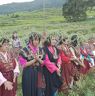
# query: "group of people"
[[51, 64]]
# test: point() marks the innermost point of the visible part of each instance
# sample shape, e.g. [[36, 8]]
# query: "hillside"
[[25, 22], [30, 6]]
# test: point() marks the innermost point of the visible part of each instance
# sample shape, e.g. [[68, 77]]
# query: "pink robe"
[[50, 65]]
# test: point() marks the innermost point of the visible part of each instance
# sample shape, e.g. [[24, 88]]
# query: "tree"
[[90, 4], [75, 10]]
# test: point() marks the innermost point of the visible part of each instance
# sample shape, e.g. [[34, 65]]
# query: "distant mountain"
[[30, 6]]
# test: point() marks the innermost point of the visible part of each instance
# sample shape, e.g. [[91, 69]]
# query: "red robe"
[[67, 71], [69, 68]]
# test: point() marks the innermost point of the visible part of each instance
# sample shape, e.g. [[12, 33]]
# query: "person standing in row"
[[51, 66], [67, 66], [31, 59], [9, 70]]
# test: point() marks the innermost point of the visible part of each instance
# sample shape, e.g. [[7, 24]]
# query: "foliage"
[[90, 4], [75, 10]]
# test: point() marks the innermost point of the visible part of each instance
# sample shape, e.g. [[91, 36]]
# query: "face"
[[62, 46], [35, 42], [59, 47], [43, 40], [53, 41], [5, 46], [15, 34]]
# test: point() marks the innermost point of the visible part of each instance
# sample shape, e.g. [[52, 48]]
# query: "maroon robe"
[[66, 71], [7, 70]]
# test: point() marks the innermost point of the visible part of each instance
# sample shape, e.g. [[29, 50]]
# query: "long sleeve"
[[94, 53], [22, 61], [2, 79], [16, 70], [50, 65], [64, 58], [73, 52]]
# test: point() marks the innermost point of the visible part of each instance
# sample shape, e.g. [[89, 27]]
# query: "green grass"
[[85, 87], [34, 21]]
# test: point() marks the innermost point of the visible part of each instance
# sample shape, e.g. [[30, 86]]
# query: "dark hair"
[[34, 36], [3, 40], [13, 37], [74, 37], [62, 40], [74, 41], [47, 42]]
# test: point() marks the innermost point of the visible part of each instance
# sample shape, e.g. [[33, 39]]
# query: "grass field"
[[26, 22], [85, 87]]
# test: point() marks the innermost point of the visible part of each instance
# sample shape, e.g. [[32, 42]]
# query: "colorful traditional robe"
[[50, 67], [8, 67], [32, 77]]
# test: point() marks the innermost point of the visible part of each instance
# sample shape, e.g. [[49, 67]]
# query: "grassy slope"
[[54, 22]]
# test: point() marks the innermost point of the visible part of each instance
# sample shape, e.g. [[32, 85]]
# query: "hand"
[[58, 72], [15, 76], [36, 57], [73, 59], [40, 56], [59, 66], [83, 65], [14, 80], [8, 85]]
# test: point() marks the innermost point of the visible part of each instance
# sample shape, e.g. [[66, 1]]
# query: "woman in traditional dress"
[[73, 50], [30, 59], [84, 58], [9, 70], [67, 66], [51, 67]]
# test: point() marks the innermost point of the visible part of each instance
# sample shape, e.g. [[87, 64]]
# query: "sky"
[[11, 1]]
